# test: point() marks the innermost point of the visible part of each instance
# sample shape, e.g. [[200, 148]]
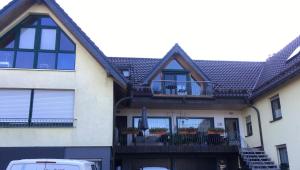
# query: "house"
[[56, 93], [255, 102], [61, 97]]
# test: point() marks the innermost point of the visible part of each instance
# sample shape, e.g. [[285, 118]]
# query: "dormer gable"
[[176, 57], [177, 75]]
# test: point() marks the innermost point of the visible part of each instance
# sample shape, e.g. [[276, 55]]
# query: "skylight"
[[295, 52], [126, 73]]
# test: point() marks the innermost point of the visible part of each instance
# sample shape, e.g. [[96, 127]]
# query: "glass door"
[[232, 129], [175, 83]]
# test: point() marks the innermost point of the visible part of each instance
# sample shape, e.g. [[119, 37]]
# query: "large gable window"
[[174, 79], [37, 43], [174, 65]]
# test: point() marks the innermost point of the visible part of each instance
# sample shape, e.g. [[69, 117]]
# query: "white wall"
[[284, 131], [254, 140], [93, 99]]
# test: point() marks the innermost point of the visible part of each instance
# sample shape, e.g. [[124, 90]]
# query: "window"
[[283, 157], [65, 43], [48, 39], [126, 73], [202, 124], [175, 80], [14, 105], [27, 37], [6, 59], [155, 122], [37, 43], [46, 60], [195, 87], [24, 59], [65, 61], [36, 107], [174, 65], [50, 105], [276, 108], [249, 125]]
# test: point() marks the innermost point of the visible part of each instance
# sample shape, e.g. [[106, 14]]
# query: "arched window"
[[37, 43]]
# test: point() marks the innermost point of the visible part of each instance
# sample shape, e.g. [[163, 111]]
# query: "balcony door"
[[232, 129], [175, 83]]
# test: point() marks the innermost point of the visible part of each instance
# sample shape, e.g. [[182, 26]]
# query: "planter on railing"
[[158, 131], [187, 131], [130, 130], [215, 131]]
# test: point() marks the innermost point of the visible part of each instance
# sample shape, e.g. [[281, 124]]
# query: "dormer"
[[176, 75]]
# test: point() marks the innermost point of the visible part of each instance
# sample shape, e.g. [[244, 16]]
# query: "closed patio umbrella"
[[143, 122]]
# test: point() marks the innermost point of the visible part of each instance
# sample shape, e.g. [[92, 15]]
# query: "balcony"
[[172, 88], [176, 143]]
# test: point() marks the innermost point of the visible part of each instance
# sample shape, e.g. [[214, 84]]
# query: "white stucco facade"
[[283, 131], [93, 110]]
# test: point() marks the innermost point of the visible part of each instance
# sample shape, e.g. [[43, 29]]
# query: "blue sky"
[[247, 30]]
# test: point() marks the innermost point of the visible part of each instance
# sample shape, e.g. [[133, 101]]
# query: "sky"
[[243, 30]]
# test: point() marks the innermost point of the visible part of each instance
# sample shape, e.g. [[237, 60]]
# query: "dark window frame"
[[278, 148], [155, 117], [37, 46], [29, 123], [272, 100], [249, 126], [190, 80], [212, 120]]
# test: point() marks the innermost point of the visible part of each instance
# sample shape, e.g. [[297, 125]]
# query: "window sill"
[[248, 136], [31, 69], [276, 119]]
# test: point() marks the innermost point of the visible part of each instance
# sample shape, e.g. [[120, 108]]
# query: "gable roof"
[[278, 69], [230, 78], [17, 7], [176, 50]]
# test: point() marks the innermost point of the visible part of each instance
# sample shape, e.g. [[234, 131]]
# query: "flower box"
[[130, 130], [158, 131], [215, 131], [187, 131]]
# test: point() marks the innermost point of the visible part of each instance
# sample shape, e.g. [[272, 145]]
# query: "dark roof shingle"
[[224, 74]]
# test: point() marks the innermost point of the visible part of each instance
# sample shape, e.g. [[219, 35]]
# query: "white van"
[[153, 168], [51, 164]]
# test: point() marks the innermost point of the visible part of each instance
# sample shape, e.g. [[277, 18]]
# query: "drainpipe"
[[115, 128], [259, 126]]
